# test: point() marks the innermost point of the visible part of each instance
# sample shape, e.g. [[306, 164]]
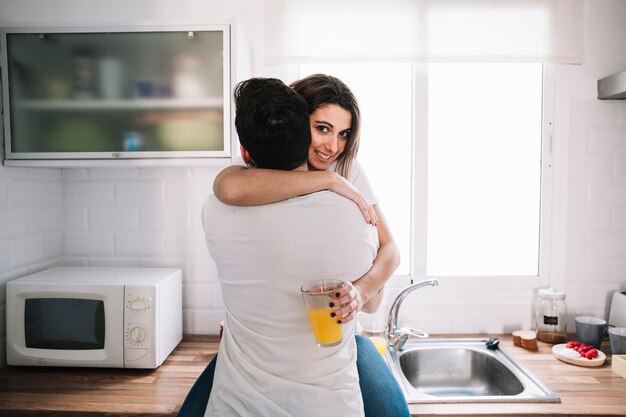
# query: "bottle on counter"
[[551, 316]]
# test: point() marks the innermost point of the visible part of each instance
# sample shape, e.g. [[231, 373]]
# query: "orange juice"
[[380, 343], [326, 330]]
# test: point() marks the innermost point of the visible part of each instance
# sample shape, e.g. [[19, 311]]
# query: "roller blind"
[[547, 31]]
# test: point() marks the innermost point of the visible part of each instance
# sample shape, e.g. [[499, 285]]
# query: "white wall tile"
[[44, 219], [619, 218], [138, 244], [177, 192], [26, 251], [607, 139], [579, 138], [203, 321], [164, 173], [620, 166], [618, 273], [201, 296], [621, 113], [585, 271], [112, 173], [4, 186], [589, 296], [12, 223], [4, 261], [205, 173], [25, 193], [575, 244], [74, 173], [592, 112], [600, 244], [53, 245], [191, 244], [112, 218], [590, 218], [114, 261], [148, 192], [49, 174], [74, 218], [607, 192], [168, 262], [578, 192], [170, 218], [87, 243], [52, 194], [202, 269], [87, 192], [592, 166]]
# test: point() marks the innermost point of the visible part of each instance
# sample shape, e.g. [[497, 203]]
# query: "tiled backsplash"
[[145, 217], [596, 251]]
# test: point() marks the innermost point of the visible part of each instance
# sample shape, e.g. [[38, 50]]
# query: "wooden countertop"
[[94, 392]]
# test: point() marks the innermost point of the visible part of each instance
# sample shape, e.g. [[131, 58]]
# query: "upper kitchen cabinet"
[[147, 95]]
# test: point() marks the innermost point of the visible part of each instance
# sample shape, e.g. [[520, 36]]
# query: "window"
[[454, 154], [484, 168]]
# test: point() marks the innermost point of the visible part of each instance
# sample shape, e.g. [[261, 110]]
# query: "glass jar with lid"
[[551, 316]]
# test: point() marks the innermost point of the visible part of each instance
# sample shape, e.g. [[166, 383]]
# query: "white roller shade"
[[549, 31]]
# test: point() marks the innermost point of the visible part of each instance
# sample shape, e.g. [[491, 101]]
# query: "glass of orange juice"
[[377, 333], [317, 298]]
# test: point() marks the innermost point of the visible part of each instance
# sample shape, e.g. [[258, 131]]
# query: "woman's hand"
[[344, 188], [349, 301]]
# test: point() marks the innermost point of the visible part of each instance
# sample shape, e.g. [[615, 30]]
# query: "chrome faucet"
[[397, 337]]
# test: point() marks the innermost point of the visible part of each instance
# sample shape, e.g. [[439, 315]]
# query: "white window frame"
[[417, 264]]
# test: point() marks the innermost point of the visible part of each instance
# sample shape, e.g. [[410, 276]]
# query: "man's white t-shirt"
[[268, 362]]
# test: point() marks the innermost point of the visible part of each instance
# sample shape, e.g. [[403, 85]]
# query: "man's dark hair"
[[272, 122]]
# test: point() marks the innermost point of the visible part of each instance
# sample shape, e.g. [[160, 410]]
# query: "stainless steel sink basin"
[[463, 370]]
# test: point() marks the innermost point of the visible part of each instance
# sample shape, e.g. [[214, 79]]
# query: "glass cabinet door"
[[118, 94]]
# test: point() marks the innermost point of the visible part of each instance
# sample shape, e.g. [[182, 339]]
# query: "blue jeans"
[[382, 396]]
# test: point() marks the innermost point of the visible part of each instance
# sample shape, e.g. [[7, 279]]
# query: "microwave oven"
[[94, 317]]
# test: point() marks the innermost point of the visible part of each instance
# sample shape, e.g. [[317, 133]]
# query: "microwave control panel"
[[139, 320]]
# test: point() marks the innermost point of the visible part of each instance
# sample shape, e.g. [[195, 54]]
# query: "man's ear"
[[245, 155]]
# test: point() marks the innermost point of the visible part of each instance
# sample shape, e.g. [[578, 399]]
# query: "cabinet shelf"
[[127, 104]]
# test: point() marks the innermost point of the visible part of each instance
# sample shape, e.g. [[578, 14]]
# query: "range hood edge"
[[612, 87]]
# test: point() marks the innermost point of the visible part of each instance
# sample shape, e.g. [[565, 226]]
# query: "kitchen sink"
[[463, 371]]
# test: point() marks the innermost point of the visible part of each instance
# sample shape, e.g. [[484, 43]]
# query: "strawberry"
[[585, 351]]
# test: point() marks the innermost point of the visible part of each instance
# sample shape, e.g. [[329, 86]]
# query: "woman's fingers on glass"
[[346, 312]]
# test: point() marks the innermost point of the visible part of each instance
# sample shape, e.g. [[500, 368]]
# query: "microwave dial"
[[137, 335], [138, 306]]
